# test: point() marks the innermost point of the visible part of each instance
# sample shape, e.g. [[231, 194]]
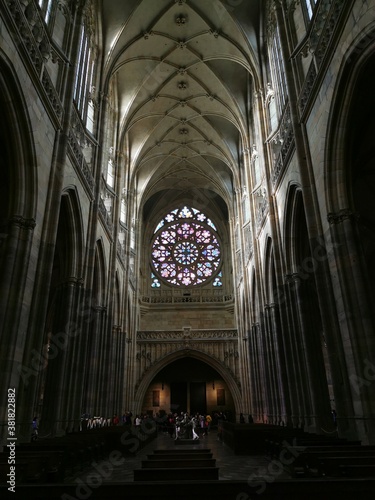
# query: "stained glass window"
[[310, 4], [185, 248], [155, 283], [218, 280]]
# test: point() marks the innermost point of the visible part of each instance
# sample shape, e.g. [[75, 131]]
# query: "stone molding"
[[285, 136], [181, 299], [105, 217], [28, 26], [220, 345], [77, 139], [326, 23], [178, 335]]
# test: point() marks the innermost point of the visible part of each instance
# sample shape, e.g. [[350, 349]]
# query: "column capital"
[[274, 305], [100, 309], [23, 223], [296, 277], [341, 215], [74, 281], [288, 278]]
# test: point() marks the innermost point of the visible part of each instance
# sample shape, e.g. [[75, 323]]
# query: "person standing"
[[137, 421], [208, 423], [34, 435]]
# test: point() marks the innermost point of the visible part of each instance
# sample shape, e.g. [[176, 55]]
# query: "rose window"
[[185, 248]]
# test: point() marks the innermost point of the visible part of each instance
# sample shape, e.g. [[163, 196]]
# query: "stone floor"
[[231, 466]]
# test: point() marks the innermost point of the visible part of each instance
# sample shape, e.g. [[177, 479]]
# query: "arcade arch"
[[226, 378]]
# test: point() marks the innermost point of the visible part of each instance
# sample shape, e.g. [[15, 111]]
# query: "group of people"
[[177, 425], [88, 422], [184, 426]]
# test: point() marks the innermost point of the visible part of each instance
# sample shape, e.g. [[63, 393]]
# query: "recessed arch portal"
[[154, 370]]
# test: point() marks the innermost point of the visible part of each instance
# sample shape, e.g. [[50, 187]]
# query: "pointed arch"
[[292, 218], [74, 233], [183, 353], [117, 301], [358, 58], [268, 271], [18, 157], [18, 201], [99, 279], [254, 298], [64, 291], [350, 174], [350, 155]]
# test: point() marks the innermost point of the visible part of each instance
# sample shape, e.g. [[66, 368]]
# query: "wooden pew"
[[169, 451], [31, 469], [338, 466], [178, 474], [180, 456], [357, 470], [78, 450], [180, 463], [322, 461], [21, 470]]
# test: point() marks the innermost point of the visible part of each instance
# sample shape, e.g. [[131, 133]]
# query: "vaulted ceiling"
[[183, 71]]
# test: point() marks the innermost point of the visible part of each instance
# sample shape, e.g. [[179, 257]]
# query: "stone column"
[[15, 256], [114, 400], [260, 373], [280, 367], [270, 369], [78, 329], [313, 376], [92, 398], [56, 393], [276, 373], [293, 361], [355, 405]]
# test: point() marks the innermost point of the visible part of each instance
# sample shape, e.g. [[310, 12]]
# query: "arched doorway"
[[188, 385], [350, 188]]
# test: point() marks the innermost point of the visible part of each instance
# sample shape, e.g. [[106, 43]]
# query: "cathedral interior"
[[182, 225]]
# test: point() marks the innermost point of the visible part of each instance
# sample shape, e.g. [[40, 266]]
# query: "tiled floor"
[[231, 466]]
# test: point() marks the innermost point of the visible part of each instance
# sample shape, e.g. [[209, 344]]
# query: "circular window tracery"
[[186, 252], [185, 248]]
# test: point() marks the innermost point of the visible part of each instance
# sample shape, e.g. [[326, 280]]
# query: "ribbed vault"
[[183, 71]]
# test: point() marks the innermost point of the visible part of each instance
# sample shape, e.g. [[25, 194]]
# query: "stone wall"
[[195, 318]]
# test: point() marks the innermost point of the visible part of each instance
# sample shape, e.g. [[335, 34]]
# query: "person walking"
[[193, 426]]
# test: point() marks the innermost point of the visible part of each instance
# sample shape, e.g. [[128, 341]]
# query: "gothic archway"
[[56, 378], [350, 174], [306, 367], [18, 200], [188, 385], [223, 371]]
